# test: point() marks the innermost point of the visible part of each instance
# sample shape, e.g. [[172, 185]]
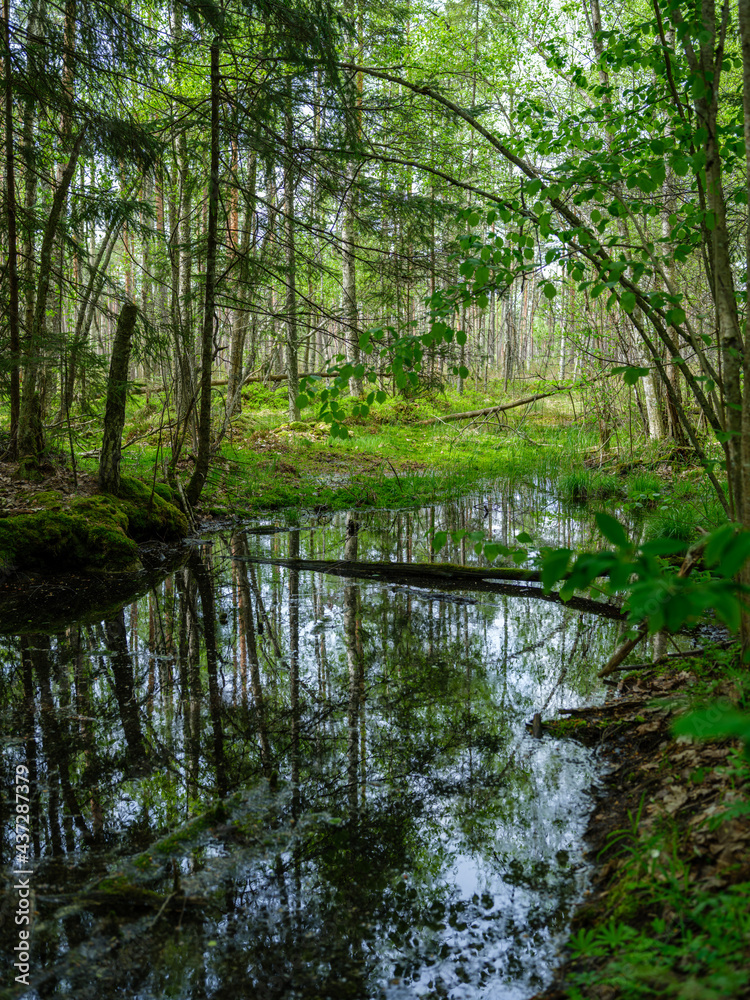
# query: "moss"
[[90, 535], [149, 514], [97, 533], [194, 828], [165, 492]]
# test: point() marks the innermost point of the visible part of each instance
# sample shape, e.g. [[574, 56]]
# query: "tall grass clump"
[[582, 486]]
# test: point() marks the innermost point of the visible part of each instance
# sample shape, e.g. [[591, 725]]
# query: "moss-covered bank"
[[97, 533]]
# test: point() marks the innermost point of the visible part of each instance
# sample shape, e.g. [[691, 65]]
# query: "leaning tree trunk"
[[114, 415]]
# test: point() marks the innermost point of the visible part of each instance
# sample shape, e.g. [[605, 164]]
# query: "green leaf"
[[718, 720], [676, 316], [524, 538], [719, 542], [554, 566], [733, 560], [493, 549], [630, 373], [439, 540], [663, 547], [612, 530], [628, 301], [302, 401]]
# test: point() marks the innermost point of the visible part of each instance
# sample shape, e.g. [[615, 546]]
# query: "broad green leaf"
[[554, 566], [676, 316], [439, 540], [718, 720], [663, 547], [612, 530]]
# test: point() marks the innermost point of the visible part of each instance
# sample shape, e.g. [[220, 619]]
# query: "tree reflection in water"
[[267, 782]]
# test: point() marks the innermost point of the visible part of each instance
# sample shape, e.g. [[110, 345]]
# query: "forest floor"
[[392, 459], [669, 911]]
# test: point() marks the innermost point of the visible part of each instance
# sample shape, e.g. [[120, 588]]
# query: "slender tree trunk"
[[349, 280], [10, 214], [28, 425], [198, 478], [744, 480], [292, 346]]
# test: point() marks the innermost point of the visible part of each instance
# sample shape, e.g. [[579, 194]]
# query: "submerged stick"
[[622, 651]]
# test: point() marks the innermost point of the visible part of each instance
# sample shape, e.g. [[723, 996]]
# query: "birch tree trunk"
[[292, 361], [349, 280]]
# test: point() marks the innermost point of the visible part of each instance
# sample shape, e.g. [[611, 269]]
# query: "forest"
[[374, 422]]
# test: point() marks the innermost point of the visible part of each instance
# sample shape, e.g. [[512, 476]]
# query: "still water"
[[258, 780]]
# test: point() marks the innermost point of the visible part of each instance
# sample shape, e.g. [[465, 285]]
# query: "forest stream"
[[256, 780]]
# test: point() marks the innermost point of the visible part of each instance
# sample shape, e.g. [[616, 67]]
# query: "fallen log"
[[446, 576], [685, 654], [468, 414], [608, 708]]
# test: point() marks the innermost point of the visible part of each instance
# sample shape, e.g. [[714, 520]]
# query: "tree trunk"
[[292, 362], [28, 429], [12, 265], [114, 416], [198, 479], [349, 281]]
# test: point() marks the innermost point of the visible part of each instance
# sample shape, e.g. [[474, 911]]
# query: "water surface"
[[260, 781]]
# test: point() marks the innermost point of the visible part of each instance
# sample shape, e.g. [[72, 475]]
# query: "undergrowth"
[[265, 463]]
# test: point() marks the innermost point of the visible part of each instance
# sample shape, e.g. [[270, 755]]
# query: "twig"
[[684, 655], [395, 474]]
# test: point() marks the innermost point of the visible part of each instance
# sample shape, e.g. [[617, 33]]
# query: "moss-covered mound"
[[97, 533], [151, 515]]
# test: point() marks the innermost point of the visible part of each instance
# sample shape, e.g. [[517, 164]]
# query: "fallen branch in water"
[[446, 576], [691, 560]]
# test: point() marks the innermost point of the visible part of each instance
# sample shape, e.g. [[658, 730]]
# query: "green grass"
[[389, 460], [583, 485]]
